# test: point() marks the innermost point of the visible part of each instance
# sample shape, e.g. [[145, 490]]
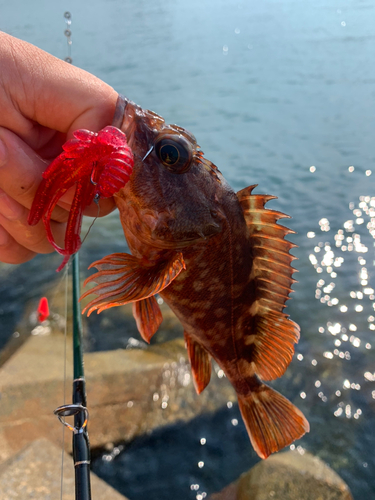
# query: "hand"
[[43, 100]]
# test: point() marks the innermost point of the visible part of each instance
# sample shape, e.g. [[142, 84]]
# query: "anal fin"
[[148, 317], [122, 278], [271, 420], [200, 362]]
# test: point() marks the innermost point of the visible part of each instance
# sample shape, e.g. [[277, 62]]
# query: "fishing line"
[[66, 273], [93, 222], [68, 59]]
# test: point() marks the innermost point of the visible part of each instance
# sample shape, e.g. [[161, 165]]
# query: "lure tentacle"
[[98, 164]]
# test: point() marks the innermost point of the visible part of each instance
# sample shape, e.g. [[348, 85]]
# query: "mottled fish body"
[[221, 262]]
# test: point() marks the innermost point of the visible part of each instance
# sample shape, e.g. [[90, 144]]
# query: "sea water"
[[278, 93]]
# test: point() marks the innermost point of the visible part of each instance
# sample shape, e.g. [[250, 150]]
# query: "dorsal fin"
[[273, 335]]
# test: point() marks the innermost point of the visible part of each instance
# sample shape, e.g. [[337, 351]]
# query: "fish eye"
[[174, 152]]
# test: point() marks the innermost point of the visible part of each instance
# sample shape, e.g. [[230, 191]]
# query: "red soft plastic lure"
[[99, 164]]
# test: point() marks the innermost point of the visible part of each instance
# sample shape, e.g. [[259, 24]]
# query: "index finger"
[[21, 173], [50, 92]]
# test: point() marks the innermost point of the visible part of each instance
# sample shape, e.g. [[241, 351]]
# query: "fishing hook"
[[148, 152]]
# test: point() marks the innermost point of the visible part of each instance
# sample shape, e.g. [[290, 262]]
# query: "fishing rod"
[[78, 409]]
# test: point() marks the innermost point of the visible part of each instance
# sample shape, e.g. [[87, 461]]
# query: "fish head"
[[175, 196]]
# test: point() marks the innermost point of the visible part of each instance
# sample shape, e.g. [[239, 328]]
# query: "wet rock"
[[35, 472], [228, 493], [129, 392], [288, 476]]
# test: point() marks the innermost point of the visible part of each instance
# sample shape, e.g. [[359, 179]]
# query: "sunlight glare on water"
[[342, 256]]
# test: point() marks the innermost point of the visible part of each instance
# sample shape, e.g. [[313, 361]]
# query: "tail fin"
[[271, 420]]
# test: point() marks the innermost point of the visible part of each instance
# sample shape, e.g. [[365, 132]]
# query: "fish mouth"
[[128, 125], [136, 119]]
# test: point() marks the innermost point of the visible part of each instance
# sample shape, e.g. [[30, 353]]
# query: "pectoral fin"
[[200, 362], [148, 317], [122, 278]]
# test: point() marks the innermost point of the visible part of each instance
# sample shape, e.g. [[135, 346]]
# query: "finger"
[[21, 171], [12, 252], [13, 218], [49, 92]]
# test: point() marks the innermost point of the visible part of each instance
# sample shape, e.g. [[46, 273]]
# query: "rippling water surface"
[[279, 93]]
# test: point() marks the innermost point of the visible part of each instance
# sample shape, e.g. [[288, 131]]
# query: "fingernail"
[[10, 208], [4, 237], [3, 153]]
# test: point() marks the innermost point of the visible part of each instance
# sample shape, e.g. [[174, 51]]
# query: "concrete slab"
[[129, 392], [35, 472]]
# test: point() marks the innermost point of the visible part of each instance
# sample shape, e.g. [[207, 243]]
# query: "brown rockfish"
[[219, 260]]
